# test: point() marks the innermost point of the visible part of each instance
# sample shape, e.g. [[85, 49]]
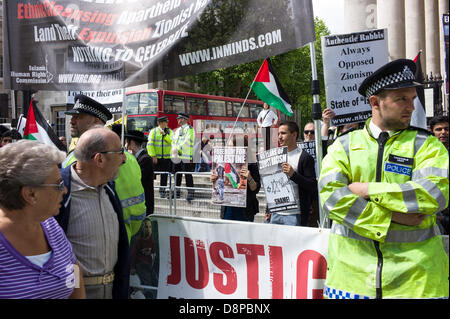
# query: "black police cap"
[[86, 105], [397, 74]]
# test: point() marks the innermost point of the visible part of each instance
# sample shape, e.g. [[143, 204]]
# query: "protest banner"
[[309, 147], [229, 189], [91, 45], [280, 195], [111, 99], [347, 60], [196, 258]]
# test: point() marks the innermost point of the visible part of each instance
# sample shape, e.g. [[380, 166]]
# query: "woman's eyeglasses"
[[60, 186]]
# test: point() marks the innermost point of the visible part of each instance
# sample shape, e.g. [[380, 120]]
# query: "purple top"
[[19, 278]]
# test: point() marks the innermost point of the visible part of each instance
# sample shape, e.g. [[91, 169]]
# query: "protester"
[[267, 119], [134, 141], [159, 148], [300, 170], [182, 154], [36, 259], [87, 113], [205, 156], [63, 141], [92, 215], [3, 129], [381, 187], [10, 136], [251, 174], [439, 127]]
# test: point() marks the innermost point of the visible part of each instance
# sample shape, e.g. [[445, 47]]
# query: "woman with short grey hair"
[[33, 248]]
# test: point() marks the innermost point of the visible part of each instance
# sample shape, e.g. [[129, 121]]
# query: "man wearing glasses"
[[86, 114], [92, 216]]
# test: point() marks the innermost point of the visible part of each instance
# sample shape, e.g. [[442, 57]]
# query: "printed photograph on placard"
[[229, 187]]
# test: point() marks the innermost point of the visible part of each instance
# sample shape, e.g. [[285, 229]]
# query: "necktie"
[[384, 136]]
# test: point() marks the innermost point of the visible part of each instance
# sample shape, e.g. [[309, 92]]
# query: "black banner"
[[98, 44]]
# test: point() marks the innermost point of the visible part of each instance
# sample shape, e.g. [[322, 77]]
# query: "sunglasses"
[[306, 132], [60, 186]]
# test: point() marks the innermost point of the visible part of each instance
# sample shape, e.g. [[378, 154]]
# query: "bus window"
[[237, 107], [216, 108], [196, 106], [174, 104], [229, 108], [141, 123], [132, 104], [148, 103], [254, 111]]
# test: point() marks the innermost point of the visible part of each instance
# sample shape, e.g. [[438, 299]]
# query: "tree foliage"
[[293, 69]]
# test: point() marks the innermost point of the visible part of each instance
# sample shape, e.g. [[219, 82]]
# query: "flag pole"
[[316, 116], [237, 117]]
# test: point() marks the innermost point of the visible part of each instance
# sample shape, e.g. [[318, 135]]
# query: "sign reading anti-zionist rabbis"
[[347, 60], [103, 44]]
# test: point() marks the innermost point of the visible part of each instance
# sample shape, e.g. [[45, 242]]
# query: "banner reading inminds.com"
[[92, 44]]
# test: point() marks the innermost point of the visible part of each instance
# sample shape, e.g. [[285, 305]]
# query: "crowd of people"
[[68, 219]]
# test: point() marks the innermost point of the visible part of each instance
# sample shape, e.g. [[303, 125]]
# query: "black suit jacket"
[[146, 163], [305, 178]]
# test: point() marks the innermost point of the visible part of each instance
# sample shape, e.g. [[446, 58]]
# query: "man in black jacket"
[[133, 143], [300, 170]]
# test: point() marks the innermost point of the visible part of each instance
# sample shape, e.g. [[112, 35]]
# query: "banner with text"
[[111, 99], [97, 44], [347, 60], [197, 258]]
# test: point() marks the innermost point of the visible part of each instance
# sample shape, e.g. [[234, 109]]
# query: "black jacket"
[[146, 163], [305, 178]]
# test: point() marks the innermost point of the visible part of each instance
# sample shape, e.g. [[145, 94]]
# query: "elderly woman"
[[36, 259]]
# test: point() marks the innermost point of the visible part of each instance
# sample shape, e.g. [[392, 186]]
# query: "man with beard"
[[381, 186]]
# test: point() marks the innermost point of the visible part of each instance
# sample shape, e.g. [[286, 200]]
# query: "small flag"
[[35, 127], [418, 117], [232, 176], [268, 88]]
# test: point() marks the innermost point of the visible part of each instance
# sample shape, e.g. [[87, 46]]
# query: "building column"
[[415, 30], [432, 36], [391, 15], [360, 15]]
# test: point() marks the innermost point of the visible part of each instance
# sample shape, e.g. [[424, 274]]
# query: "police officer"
[[182, 153], [87, 113], [381, 187], [159, 148]]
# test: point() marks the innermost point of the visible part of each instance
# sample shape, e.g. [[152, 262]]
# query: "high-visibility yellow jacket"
[[369, 256], [130, 191], [159, 145], [183, 143]]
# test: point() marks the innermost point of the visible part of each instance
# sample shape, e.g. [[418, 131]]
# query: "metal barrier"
[[169, 194], [201, 204]]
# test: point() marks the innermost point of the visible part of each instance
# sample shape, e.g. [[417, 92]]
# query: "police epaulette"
[[420, 129]]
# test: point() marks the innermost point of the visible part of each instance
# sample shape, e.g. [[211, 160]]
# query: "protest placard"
[[347, 60], [279, 192], [229, 189]]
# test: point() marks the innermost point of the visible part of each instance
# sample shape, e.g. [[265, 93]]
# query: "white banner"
[[112, 99], [205, 258], [347, 60]]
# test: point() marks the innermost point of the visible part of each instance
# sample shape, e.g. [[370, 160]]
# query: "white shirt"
[[375, 130], [267, 118]]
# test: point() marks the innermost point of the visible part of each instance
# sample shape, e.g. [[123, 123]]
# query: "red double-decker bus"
[[214, 112]]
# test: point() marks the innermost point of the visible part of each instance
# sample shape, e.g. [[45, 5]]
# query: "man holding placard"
[[300, 170]]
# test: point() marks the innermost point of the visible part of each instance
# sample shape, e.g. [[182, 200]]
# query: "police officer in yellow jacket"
[[182, 153], [159, 147], [87, 113], [381, 186]]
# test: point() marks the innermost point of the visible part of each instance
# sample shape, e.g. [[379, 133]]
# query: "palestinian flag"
[[418, 117], [268, 88], [35, 127], [232, 175]]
